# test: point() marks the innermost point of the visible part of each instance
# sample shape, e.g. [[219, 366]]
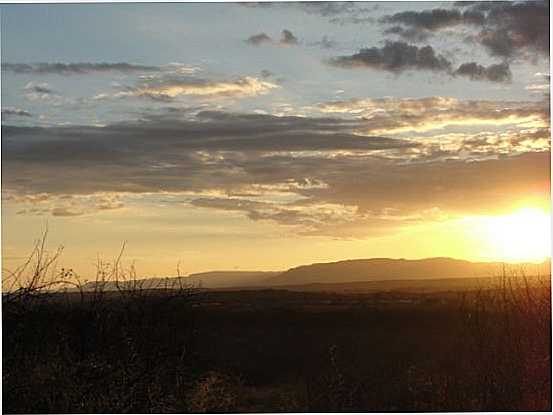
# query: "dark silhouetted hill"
[[344, 275], [385, 269]]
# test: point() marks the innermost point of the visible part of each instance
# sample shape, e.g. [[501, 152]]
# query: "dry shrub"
[[507, 344], [104, 346], [215, 393]]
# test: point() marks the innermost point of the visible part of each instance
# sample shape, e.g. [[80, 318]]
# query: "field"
[[279, 350]]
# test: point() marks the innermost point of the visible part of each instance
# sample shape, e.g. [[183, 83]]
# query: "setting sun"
[[523, 235]]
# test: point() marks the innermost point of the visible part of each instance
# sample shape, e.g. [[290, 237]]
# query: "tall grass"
[[67, 349], [507, 343], [497, 357]]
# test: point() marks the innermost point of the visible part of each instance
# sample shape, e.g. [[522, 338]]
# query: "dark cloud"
[[493, 73], [325, 43], [265, 73], [337, 12], [352, 20], [288, 38], [411, 34], [74, 68], [259, 39], [453, 185], [8, 112], [419, 26], [367, 195], [435, 19], [329, 8], [464, 3], [307, 215], [346, 183], [64, 211], [513, 28], [321, 8], [398, 57], [395, 57], [230, 204], [341, 13], [506, 29], [166, 141]]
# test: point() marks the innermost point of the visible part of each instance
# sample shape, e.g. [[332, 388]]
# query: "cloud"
[[265, 73], [395, 115], [306, 216], [39, 88], [517, 29], [464, 3], [169, 88], [395, 57], [493, 73], [259, 39], [454, 186], [41, 92], [342, 21], [287, 38], [325, 43], [135, 156], [433, 20], [411, 34], [342, 13], [63, 205], [74, 68], [538, 88], [63, 211], [371, 196], [335, 10], [333, 180], [329, 9], [11, 111]]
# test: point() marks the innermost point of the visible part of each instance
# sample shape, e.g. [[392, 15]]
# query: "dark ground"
[[278, 351]]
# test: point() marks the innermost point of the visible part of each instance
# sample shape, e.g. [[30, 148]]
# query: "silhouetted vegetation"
[[181, 350]]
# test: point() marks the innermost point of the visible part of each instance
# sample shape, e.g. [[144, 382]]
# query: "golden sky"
[[224, 136]]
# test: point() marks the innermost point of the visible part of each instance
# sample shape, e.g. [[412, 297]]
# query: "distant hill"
[[224, 279], [351, 275], [381, 269]]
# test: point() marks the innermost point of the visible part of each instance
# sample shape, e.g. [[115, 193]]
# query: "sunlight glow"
[[524, 235]]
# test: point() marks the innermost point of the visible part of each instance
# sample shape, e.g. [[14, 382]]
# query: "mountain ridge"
[[375, 269], [349, 271]]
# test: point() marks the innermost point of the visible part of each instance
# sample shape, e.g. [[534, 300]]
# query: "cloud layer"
[[11, 111], [317, 175], [74, 68], [393, 115]]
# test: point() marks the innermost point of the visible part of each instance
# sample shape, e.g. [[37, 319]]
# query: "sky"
[[263, 136]]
